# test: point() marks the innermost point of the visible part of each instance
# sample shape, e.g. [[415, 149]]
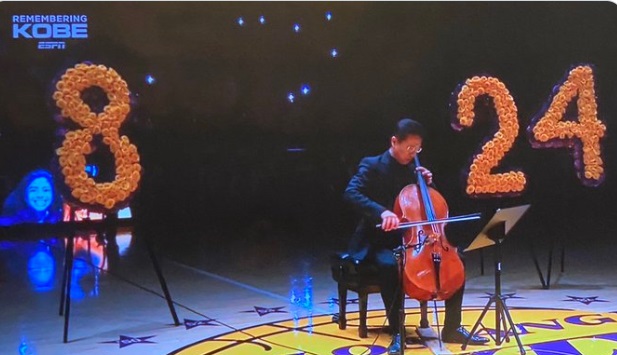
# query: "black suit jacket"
[[371, 191]]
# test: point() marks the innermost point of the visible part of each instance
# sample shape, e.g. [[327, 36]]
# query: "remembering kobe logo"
[[51, 29]]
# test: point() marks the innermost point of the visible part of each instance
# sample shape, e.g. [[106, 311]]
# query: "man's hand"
[[428, 176], [389, 221]]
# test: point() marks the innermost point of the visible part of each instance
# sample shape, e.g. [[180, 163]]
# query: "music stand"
[[494, 233]]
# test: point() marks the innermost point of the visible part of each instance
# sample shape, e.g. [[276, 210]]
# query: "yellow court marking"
[[542, 332]]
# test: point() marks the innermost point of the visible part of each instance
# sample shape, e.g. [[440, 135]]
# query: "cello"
[[433, 270]]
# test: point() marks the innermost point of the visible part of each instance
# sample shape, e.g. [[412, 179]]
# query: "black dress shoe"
[[395, 345], [460, 335]]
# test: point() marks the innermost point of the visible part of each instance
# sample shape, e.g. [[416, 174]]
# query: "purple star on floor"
[[505, 296], [584, 300], [127, 341], [493, 332], [262, 311], [336, 301], [190, 324]]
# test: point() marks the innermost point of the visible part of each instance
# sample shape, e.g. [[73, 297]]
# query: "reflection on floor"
[[277, 305]]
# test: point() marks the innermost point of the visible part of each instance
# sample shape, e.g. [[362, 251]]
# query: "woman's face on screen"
[[39, 194]]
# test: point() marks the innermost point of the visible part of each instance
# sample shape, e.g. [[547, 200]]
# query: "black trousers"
[[391, 296]]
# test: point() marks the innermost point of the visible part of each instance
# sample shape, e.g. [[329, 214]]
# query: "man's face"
[[404, 151], [39, 194]]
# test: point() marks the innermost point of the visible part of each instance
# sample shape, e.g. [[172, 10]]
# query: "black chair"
[[350, 274], [362, 278]]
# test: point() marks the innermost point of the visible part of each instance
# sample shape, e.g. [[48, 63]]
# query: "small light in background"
[[291, 97], [305, 89], [150, 80], [334, 53], [92, 170], [123, 239], [262, 20], [26, 347], [125, 213], [240, 21], [328, 15], [296, 28]]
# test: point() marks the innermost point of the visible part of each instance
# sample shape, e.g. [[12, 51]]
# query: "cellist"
[[372, 192]]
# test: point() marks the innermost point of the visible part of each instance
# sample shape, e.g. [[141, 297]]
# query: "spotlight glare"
[[291, 97], [240, 21], [334, 53], [262, 20], [296, 28], [328, 15]]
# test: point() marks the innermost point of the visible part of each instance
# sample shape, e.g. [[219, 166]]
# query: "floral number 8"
[[77, 143]]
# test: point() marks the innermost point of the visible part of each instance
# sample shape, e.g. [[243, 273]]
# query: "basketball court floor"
[[267, 298]]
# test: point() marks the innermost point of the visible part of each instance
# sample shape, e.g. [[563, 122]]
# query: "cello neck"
[[426, 198]]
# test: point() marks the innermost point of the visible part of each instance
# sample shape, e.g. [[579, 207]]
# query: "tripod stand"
[[495, 233], [108, 227]]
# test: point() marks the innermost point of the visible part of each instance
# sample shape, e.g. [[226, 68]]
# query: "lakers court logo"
[[542, 332]]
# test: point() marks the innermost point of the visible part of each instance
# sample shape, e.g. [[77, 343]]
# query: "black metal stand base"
[[546, 283], [502, 314], [65, 296], [502, 319]]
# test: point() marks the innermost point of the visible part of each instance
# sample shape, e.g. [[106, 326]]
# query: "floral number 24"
[[549, 129]]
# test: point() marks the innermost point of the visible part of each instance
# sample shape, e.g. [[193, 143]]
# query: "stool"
[[362, 278]]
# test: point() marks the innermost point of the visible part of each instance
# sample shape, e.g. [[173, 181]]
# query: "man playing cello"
[[372, 192]]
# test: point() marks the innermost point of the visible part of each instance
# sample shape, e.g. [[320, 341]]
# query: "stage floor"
[[240, 302]]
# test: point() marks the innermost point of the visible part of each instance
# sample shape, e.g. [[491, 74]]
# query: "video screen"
[[36, 199]]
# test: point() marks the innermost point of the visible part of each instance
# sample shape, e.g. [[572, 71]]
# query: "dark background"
[[214, 129]]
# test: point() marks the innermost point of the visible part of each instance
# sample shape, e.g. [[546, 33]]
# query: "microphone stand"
[[399, 255]]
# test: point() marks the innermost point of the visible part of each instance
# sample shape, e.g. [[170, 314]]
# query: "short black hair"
[[407, 127]]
